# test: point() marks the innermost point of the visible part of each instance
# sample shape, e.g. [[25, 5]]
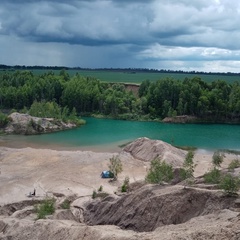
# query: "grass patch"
[[99, 194], [45, 208], [65, 204]]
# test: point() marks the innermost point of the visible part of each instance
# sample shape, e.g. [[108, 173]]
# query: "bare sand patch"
[[66, 172], [78, 173], [71, 172]]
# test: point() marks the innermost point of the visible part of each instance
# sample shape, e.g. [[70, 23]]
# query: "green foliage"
[[213, 176], [13, 110], [217, 159], [215, 100], [124, 188], [45, 110], [234, 164], [100, 188], [3, 120], [188, 166], [24, 110], [230, 184], [159, 172], [53, 110], [94, 194], [115, 166], [65, 204], [45, 208], [125, 185], [99, 194]]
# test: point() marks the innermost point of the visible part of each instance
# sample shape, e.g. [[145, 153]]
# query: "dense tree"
[[214, 101]]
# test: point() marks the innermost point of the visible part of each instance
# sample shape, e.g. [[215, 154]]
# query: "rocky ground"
[[147, 212]]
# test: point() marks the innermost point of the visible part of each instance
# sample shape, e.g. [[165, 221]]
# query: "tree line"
[[215, 101], [218, 100], [4, 67]]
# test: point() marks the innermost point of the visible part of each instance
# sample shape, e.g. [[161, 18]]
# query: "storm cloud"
[[174, 34]]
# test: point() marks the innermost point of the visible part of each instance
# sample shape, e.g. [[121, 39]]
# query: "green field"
[[137, 77]]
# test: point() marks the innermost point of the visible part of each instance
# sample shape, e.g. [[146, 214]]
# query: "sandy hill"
[[146, 149], [148, 212]]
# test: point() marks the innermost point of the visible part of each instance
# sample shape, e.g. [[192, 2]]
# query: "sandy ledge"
[[71, 172], [67, 172]]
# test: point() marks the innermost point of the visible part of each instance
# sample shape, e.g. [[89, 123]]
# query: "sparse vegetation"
[[65, 204], [230, 184], [217, 159], [100, 188], [115, 166], [159, 172], [212, 176], [234, 164], [45, 208], [94, 194], [125, 185], [188, 168]]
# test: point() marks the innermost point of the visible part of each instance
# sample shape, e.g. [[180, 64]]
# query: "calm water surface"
[[107, 134]]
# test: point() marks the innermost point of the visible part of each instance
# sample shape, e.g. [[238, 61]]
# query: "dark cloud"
[[133, 27]]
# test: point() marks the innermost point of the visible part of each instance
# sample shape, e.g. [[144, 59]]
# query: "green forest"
[[216, 101]]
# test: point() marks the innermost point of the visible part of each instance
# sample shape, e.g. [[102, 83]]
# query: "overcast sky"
[[201, 35]]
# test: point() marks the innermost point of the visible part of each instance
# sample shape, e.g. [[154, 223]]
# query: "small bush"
[[100, 188], [188, 167], [99, 194], [115, 166], [234, 164], [217, 159], [13, 110], [124, 188], [125, 185], [3, 120], [94, 194], [159, 172], [45, 208], [213, 176], [24, 110], [230, 184], [65, 204]]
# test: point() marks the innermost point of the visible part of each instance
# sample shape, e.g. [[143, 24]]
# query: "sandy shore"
[[67, 172], [71, 172]]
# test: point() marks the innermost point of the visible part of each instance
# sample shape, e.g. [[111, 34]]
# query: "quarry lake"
[[108, 134]]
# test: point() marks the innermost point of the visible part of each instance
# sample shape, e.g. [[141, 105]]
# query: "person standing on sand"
[[34, 192]]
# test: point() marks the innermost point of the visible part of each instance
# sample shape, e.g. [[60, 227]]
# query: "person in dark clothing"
[[34, 192]]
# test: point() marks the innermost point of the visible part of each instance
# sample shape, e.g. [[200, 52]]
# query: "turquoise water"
[[108, 134]]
